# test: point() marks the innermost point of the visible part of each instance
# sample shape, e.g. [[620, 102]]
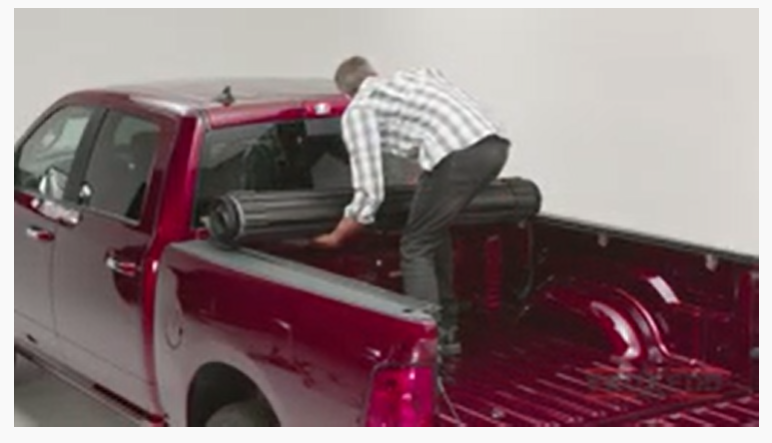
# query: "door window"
[[119, 169], [44, 161]]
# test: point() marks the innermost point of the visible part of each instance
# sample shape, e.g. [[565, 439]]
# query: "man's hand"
[[327, 241], [346, 229]]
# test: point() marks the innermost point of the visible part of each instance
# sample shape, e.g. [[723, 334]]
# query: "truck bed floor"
[[521, 377]]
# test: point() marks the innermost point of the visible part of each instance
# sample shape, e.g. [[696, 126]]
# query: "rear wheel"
[[242, 415]]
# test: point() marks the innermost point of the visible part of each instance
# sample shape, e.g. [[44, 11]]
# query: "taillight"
[[402, 393], [402, 397]]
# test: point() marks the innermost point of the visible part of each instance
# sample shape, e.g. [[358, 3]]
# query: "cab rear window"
[[303, 155]]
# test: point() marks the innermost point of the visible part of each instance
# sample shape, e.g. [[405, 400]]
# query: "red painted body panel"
[[598, 306], [311, 356], [34, 319]]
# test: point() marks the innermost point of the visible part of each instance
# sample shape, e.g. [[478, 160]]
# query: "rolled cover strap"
[[250, 216]]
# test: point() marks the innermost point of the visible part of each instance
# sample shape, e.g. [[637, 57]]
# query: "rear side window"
[[119, 169], [44, 161], [305, 155]]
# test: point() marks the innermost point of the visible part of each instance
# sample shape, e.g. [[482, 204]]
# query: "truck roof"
[[226, 101]]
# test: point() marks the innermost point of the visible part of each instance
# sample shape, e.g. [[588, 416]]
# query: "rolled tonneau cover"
[[246, 217]]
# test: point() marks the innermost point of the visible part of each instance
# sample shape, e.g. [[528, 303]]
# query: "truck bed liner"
[[527, 378]]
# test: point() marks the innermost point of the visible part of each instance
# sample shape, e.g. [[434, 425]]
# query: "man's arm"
[[360, 132]]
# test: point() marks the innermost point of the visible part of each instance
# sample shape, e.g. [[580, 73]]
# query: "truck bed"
[[521, 376], [544, 370]]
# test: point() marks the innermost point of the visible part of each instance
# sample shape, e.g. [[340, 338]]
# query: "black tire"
[[242, 415]]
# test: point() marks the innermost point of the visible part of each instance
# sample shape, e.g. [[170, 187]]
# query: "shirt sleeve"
[[362, 137]]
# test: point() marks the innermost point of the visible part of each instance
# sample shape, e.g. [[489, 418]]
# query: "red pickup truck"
[[121, 289]]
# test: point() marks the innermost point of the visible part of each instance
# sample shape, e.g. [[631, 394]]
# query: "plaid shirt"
[[417, 115]]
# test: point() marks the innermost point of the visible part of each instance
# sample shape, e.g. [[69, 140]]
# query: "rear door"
[[99, 263], [43, 165]]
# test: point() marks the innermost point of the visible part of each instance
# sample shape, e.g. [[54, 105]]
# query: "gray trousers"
[[427, 248]]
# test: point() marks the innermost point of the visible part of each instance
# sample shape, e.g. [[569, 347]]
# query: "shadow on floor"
[[42, 401]]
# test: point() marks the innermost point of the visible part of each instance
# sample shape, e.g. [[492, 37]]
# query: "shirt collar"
[[368, 84]]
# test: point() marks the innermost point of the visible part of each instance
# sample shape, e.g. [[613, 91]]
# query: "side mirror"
[[85, 194], [52, 184]]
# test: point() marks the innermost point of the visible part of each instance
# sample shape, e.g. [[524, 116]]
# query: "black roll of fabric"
[[248, 217]]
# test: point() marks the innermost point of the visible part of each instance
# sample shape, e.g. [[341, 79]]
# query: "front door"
[[43, 163], [99, 262]]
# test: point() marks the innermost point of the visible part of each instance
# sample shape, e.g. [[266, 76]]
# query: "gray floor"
[[40, 400]]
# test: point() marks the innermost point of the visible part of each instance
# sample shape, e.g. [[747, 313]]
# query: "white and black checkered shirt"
[[417, 115]]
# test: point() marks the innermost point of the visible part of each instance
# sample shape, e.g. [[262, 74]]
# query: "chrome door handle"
[[124, 268], [40, 234]]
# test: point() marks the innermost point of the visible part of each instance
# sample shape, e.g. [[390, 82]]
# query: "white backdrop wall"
[[642, 119]]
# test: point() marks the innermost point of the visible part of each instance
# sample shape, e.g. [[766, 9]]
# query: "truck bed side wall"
[[309, 340]]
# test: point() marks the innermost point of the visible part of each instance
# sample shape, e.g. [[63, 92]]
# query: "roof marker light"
[[322, 109]]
